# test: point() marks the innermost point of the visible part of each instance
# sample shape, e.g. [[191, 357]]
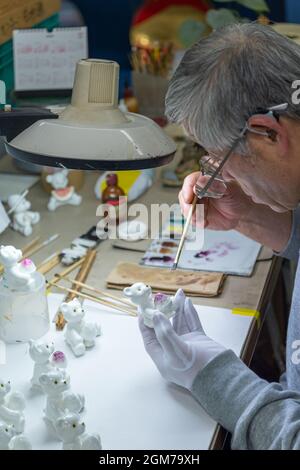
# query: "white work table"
[[127, 401]]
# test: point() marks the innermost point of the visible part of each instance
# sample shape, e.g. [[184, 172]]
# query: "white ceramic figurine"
[[45, 359], [79, 333], [9, 440], [71, 430], [60, 400], [18, 275], [141, 295], [12, 405], [23, 218], [62, 194]]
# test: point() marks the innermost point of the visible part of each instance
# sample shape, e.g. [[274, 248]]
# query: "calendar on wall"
[[46, 60]]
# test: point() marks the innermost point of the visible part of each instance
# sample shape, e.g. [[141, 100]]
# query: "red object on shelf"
[[152, 7]]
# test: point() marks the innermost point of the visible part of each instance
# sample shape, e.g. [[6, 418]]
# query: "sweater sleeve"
[[291, 251], [260, 415]]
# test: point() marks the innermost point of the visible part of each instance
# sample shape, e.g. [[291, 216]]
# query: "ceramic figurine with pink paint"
[[45, 360], [23, 301], [148, 303]]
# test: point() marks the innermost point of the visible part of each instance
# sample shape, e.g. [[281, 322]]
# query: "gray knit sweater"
[[260, 415]]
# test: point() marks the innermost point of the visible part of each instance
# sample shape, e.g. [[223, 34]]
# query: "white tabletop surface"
[[127, 401]]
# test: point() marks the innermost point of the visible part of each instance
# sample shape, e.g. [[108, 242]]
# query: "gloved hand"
[[179, 351]]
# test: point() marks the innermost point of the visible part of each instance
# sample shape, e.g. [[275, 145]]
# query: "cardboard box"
[[26, 15]]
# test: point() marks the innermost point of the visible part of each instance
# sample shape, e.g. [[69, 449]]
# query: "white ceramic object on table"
[[7, 432], [12, 405], [9, 440], [80, 334], [62, 194], [20, 442], [23, 218], [45, 359], [40, 353], [60, 400], [141, 295], [18, 275], [23, 300], [71, 430]]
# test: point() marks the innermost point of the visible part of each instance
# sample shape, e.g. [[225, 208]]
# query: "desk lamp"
[[92, 133]]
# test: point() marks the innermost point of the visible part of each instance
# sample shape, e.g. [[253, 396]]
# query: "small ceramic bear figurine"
[[18, 275], [141, 295], [12, 406], [71, 431], [7, 432], [10, 441], [60, 400], [79, 333], [23, 218], [19, 442], [45, 359], [62, 194]]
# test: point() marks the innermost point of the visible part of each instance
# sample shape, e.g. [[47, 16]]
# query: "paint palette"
[[227, 252]]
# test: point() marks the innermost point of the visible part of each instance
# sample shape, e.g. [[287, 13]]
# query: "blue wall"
[[292, 11]]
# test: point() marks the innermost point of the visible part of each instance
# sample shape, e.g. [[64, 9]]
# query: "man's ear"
[[276, 132]]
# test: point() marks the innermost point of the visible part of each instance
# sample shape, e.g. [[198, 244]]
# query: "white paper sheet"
[[127, 401], [46, 60], [227, 252]]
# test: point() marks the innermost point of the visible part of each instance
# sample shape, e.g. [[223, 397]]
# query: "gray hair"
[[226, 77]]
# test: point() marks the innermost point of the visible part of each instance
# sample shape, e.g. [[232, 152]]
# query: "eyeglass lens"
[[208, 166]]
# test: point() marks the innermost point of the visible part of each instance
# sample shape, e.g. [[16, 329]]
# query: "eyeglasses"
[[212, 183]]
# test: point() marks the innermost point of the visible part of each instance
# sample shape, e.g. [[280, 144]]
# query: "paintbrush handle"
[[185, 231]]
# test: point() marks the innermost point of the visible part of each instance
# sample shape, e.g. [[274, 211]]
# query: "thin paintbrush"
[[184, 233]]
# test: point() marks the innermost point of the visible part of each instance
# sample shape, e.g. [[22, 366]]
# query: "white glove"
[[180, 351]]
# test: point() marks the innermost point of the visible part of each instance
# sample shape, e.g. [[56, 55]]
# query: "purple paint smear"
[[219, 250]]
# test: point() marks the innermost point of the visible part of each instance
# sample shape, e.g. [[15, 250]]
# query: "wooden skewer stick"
[[30, 245], [75, 293], [81, 277], [49, 263], [126, 302], [70, 268]]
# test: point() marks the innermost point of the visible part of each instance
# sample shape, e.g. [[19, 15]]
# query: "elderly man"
[[233, 93]]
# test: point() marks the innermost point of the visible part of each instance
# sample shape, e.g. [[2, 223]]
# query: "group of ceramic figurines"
[[62, 193], [62, 410], [63, 407]]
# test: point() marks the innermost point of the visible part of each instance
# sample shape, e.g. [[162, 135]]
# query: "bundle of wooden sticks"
[[78, 285]]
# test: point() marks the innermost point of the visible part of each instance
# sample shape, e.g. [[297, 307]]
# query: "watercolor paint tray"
[[227, 252]]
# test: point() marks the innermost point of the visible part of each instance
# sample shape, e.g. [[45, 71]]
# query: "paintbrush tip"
[[174, 267]]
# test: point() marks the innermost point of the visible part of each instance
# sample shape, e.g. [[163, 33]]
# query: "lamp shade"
[[92, 132]]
